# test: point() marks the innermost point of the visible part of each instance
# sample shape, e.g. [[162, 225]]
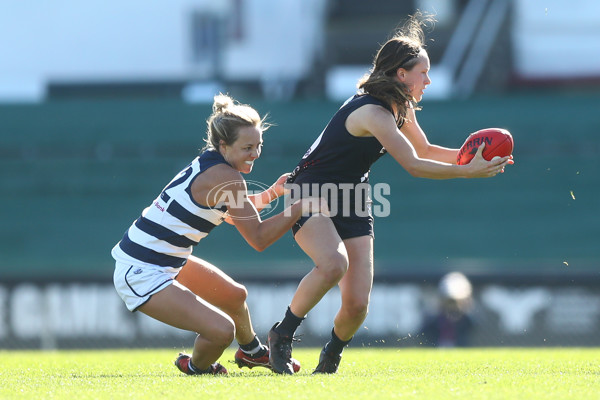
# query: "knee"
[[236, 298], [238, 295], [357, 308], [223, 334], [334, 268]]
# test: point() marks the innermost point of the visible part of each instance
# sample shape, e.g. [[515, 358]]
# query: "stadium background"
[[101, 104]]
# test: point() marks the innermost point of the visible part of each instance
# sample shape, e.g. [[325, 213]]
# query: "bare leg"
[[179, 307], [217, 288], [320, 241], [355, 287]]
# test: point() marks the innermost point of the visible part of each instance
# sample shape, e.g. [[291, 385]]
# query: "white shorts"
[[137, 283]]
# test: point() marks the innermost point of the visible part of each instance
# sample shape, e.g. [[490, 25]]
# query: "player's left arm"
[[417, 137]]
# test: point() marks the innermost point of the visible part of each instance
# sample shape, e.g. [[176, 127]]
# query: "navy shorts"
[[346, 227], [352, 217]]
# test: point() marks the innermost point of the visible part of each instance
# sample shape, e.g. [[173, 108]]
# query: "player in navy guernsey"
[[155, 271], [380, 119], [341, 158]]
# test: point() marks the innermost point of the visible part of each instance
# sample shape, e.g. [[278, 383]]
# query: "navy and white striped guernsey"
[[174, 223]]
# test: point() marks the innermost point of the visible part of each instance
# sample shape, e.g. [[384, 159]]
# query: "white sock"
[[191, 366], [253, 351]]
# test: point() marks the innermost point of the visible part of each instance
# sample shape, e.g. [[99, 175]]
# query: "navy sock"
[[336, 345], [252, 348], [289, 324]]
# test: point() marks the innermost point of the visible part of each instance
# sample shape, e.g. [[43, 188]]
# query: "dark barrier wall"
[[410, 312], [75, 174]]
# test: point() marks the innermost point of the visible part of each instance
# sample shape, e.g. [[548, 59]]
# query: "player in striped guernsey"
[[155, 271]]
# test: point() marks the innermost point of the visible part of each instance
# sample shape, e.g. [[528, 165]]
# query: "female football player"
[[379, 119], [155, 271]]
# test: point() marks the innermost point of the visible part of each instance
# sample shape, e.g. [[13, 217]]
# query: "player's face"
[[247, 147], [417, 78]]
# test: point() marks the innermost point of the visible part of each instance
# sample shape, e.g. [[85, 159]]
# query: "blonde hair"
[[227, 117], [400, 51]]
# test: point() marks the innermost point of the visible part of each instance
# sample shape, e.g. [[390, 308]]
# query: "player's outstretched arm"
[[262, 199], [381, 124], [258, 233], [417, 137]]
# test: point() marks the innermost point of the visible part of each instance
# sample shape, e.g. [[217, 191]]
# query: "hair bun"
[[221, 103]]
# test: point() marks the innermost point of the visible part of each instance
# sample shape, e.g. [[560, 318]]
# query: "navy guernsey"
[[337, 156], [336, 168]]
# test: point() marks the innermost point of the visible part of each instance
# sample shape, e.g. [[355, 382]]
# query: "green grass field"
[[365, 373]]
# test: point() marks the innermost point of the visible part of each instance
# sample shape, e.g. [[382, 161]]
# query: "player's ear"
[[401, 74]]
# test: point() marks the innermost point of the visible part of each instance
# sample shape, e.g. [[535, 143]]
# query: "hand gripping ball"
[[498, 143]]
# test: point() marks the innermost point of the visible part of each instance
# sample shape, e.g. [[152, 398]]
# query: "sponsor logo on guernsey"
[[161, 208]]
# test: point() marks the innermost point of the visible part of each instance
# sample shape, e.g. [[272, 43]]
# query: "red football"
[[498, 143]]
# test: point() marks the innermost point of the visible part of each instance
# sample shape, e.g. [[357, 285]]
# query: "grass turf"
[[365, 373]]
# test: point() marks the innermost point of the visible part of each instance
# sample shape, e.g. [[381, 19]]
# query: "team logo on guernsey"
[[231, 195]]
